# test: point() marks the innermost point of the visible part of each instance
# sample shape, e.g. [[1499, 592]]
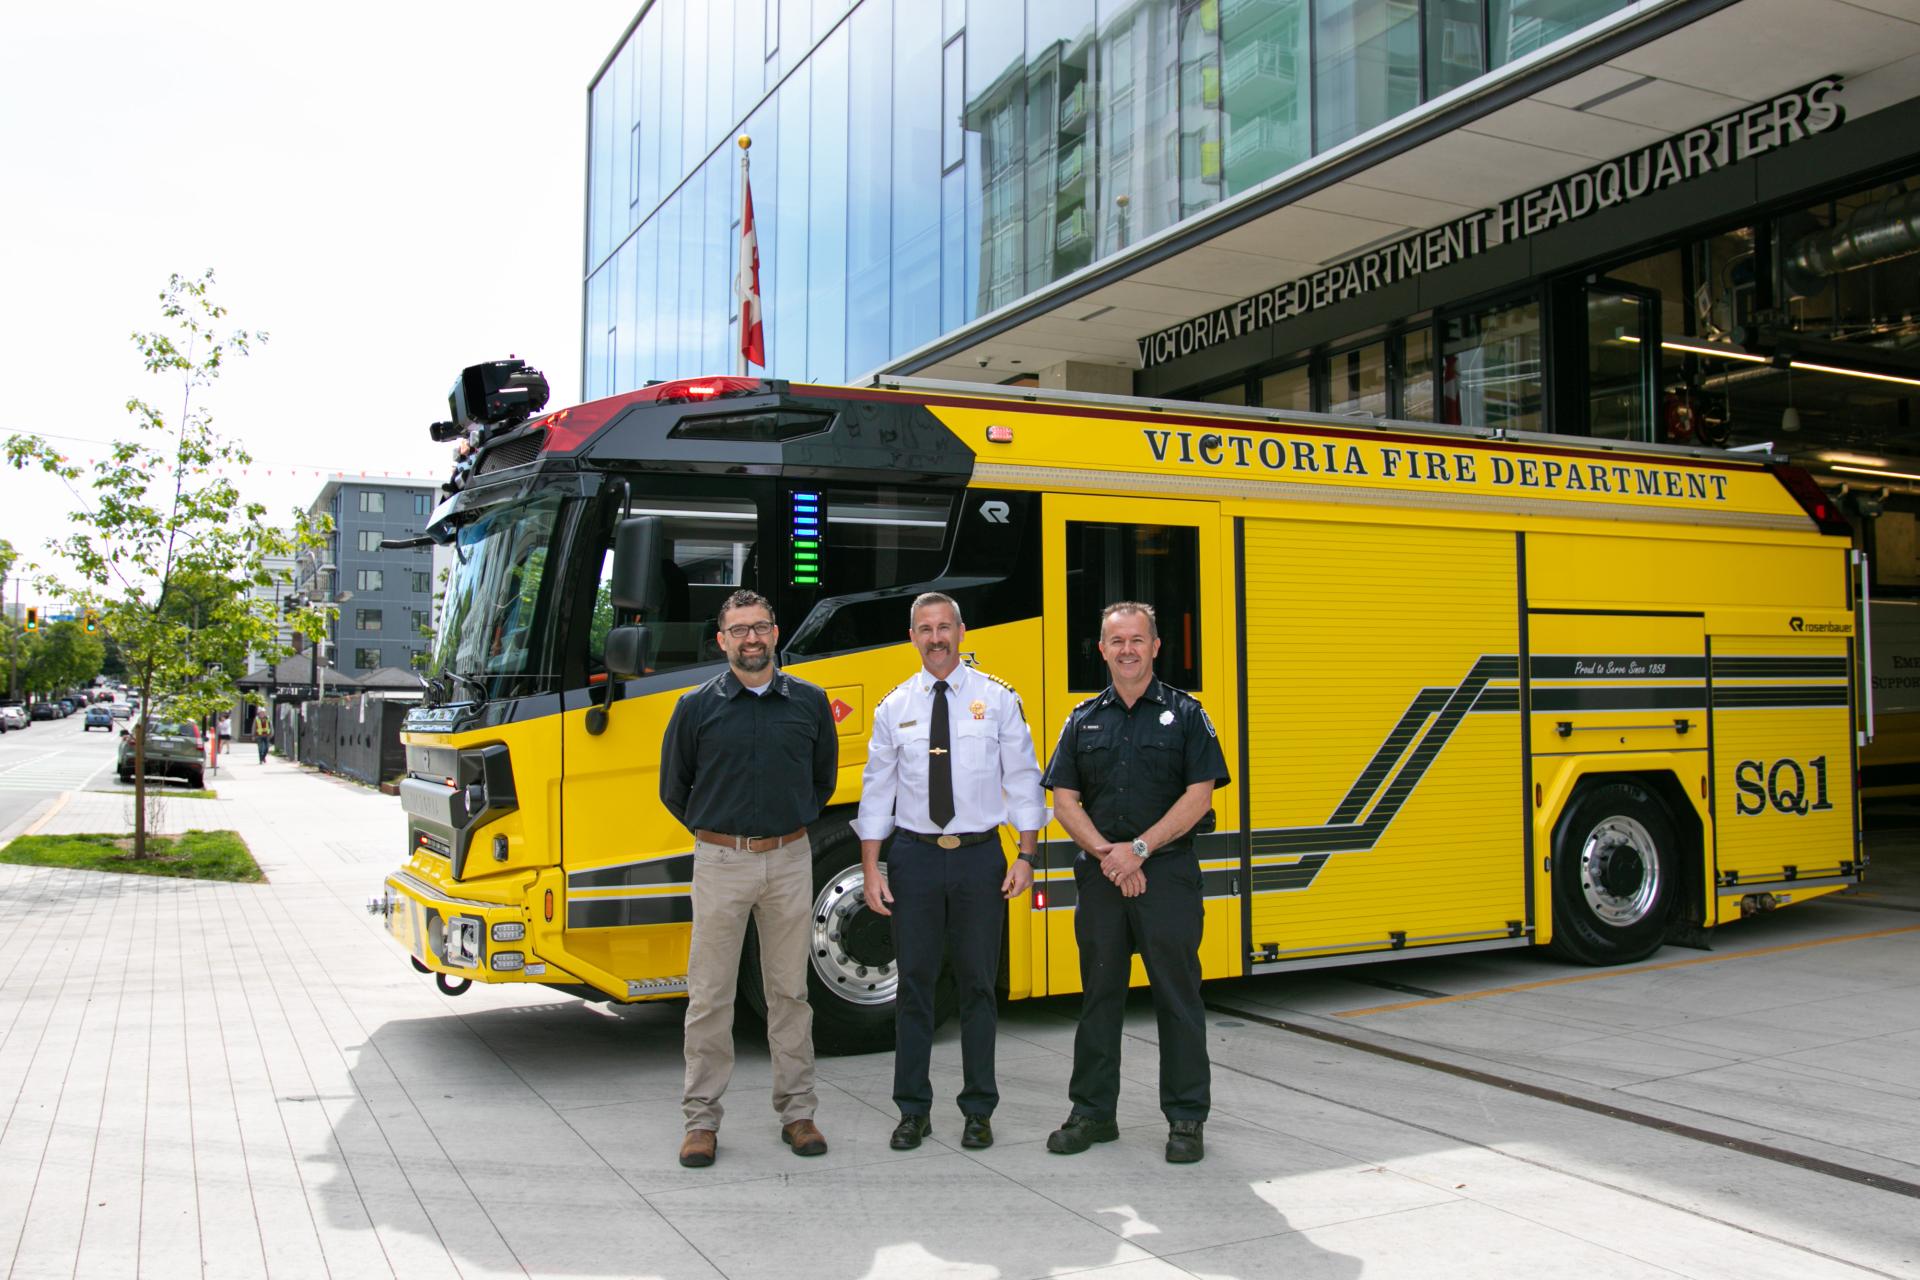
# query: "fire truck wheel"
[[851, 977], [1614, 874]]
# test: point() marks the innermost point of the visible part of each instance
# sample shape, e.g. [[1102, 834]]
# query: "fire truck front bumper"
[[461, 937]]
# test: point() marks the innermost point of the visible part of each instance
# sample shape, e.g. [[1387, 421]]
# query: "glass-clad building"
[[919, 164], [1665, 221]]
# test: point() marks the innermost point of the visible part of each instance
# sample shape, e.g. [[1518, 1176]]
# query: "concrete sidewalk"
[[250, 1080]]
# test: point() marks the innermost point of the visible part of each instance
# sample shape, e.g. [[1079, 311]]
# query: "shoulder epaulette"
[[1002, 682]]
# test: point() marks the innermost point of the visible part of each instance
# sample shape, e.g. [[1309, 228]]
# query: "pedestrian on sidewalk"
[[749, 759], [262, 733], [950, 762]]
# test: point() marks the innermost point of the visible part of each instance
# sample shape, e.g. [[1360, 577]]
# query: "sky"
[[392, 191]]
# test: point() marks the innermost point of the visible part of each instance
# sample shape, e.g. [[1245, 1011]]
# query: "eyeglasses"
[[759, 630]]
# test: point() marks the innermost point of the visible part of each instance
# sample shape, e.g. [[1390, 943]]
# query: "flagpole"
[[745, 143]]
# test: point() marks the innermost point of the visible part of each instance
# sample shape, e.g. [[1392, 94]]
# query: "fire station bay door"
[[1384, 773], [1175, 556]]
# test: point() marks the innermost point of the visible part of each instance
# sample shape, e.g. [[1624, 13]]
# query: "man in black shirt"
[[1132, 781], [749, 759]]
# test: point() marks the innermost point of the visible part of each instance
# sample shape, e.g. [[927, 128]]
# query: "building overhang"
[[1653, 71]]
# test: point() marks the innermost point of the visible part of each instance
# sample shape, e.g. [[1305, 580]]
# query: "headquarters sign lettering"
[[1741, 135]]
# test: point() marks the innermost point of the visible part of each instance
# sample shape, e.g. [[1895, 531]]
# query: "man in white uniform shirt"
[[951, 760]]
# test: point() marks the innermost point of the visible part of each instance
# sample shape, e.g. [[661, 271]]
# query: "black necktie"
[[940, 761]]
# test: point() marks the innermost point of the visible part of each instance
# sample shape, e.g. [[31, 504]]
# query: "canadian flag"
[[753, 342]]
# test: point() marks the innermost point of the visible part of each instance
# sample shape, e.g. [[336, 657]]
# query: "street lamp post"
[[332, 572]]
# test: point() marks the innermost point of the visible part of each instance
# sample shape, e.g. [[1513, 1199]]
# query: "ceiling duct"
[[1878, 232]]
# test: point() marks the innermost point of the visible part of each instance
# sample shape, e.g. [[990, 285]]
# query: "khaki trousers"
[[776, 889]]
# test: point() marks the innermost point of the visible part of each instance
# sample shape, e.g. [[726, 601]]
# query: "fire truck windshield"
[[490, 621]]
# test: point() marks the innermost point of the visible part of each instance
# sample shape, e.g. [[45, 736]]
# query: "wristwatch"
[[1140, 848], [1025, 857]]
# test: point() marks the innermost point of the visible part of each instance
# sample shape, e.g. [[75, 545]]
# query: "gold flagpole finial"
[[745, 142]]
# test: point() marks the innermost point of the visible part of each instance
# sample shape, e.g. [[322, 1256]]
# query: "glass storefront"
[[911, 175]]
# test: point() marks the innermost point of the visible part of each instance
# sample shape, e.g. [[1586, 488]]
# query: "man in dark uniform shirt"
[[1132, 781], [750, 758]]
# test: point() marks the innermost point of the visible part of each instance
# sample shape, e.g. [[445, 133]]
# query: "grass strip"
[[197, 855], [162, 792]]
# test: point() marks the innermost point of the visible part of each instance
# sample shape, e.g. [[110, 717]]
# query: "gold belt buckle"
[[948, 842]]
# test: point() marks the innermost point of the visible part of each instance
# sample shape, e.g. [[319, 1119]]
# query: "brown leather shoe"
[[805, 1138], [698, 1148]]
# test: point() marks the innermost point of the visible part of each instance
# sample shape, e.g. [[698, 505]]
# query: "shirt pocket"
[[910, 746], [974, 742]]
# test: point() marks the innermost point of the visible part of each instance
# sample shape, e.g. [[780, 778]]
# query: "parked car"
[[44, 711], [67, 706], [173, 751], [121, 711], [97, 717], [15, 716]]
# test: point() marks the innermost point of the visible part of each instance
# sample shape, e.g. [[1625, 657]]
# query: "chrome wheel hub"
[[1620, 871], [852, 947]]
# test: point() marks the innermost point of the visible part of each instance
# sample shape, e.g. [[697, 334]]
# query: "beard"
[[753, 661]]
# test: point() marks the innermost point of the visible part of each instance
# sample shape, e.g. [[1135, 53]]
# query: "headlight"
[[507, 961], [463, 941], [509, 931]]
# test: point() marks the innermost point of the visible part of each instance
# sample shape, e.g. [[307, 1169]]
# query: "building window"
[[1366, 66], [369, 539], [1490, 368], [366, 659], [1289, 389], [373, 503], [1155, 563], [1416, 375], [422, 504], [366, 619], [422, 581], [420, 626], [1357, 382], [370, 579]]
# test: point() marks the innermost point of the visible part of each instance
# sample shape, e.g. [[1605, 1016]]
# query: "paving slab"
[[249, 1080]]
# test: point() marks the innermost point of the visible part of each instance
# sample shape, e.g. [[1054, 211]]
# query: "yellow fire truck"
[[1478, 689]]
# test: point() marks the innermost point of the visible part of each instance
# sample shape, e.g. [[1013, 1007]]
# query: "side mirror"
[[629, 652], [637, 582]]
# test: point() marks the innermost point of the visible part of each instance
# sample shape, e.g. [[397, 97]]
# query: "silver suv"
[[173, 751]]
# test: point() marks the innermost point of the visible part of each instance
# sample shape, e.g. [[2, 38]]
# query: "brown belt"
[[752, 844]]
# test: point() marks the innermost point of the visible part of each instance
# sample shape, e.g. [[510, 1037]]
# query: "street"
[[50, 757], [249, 1080]]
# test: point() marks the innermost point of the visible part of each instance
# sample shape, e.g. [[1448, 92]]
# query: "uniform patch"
[[1209, 723], [978, 708], [1166, 717]]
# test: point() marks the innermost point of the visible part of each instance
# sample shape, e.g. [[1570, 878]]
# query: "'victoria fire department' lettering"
[[1407, 462]]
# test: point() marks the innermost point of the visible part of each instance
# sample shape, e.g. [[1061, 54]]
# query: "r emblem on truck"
[[994, 511]]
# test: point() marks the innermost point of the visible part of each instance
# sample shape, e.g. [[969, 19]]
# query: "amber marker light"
[[549, 906]]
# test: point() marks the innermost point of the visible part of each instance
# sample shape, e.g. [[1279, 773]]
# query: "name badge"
[[906, 724]]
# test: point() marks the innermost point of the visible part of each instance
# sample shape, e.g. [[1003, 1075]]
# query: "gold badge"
[[979, 709]]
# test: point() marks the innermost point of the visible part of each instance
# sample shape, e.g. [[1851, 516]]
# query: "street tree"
[[8, 558], [61, 657], [162, 543]]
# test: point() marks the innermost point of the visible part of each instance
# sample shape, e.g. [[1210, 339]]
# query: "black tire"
[[126, 775], [197, 780], [852, 1012], [1616, 874]]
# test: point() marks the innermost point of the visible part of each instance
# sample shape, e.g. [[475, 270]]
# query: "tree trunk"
[[140, 766]]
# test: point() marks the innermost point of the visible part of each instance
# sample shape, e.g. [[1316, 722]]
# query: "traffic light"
[[33, 618], [93, 622]]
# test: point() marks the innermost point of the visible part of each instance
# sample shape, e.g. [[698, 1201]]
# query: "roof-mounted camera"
[[499, 393]]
